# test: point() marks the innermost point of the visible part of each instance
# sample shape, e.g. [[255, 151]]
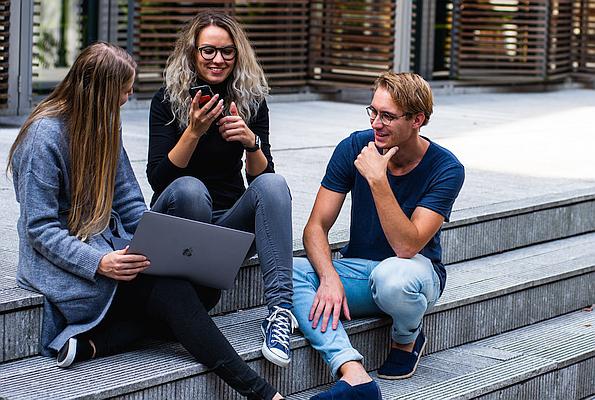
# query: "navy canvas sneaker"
[[402, 364], [344, 391], [276, 329]]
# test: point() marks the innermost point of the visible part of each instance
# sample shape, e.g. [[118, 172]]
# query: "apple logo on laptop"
[[187, 252]]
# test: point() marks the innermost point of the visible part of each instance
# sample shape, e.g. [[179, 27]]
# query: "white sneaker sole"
[[272, 357], [70, 355]]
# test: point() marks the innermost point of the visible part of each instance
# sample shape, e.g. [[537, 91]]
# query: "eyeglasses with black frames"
[[210, 52], [385, 118]]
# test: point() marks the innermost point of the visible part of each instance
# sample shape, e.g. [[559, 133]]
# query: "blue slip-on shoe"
[[344, 391], [276, 329], [401, 364]]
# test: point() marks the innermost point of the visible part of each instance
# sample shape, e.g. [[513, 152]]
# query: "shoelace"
[[283, 323]]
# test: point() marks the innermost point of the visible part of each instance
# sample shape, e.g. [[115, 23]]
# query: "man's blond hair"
[[410, 92]]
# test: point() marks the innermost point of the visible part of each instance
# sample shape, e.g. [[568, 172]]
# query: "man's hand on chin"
[[371, 164]]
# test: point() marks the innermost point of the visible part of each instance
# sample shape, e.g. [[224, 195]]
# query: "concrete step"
[[554, 359], [532, 284], [472, 233], [20, 323]]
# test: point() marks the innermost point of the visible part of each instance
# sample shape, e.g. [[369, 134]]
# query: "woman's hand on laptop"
[[121, 266]]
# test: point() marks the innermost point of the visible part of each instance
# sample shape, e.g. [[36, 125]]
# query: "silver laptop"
[[206, 254]]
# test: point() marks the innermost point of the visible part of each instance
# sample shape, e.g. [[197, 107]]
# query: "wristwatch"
[[255, 147]]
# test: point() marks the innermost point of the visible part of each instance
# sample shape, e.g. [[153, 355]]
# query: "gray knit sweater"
[[51, 261]]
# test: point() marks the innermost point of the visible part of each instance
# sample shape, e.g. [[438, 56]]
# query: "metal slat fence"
[[584, 30], [512, 41], [501, 39], [559, 50], [351, 42], [4, 48], [298, 42], [347, 43], [344, 43], [277, 30]]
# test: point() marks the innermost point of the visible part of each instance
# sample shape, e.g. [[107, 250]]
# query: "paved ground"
[[514, 146]]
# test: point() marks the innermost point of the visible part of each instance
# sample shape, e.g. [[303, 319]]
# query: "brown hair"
[[247, 85], [88, 101], [410, 92]]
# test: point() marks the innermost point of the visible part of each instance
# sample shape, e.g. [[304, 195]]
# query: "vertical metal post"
[[92, 22], [425, 38], [402, 37], [583, 38], [14, 45], [107, 17], [546, 41], [454, 39], [25, 57], [103, 21], [130, 30]]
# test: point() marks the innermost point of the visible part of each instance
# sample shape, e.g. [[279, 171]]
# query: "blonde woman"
[[78, 195], [196, 150]]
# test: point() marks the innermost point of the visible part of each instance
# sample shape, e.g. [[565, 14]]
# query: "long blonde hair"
[[88, 101], [247, 86]]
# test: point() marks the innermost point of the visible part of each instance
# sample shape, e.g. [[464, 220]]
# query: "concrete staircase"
[[512, 323]]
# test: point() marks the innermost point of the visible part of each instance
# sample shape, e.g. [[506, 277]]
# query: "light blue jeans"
[[264, 209], [402, 288]]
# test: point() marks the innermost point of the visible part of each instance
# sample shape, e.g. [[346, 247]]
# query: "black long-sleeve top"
[[216, 162]]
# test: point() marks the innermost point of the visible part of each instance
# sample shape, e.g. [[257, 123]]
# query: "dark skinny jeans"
[[169, 308]]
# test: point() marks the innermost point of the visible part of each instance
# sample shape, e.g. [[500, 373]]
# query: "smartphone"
[[205, 93]]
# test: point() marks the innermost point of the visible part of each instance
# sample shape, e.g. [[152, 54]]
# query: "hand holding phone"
[[205, 108], [205, 93]]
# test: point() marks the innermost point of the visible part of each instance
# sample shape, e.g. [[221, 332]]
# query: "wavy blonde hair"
[[247, 85], [88, 101]]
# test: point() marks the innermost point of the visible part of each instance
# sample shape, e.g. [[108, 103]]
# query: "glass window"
[[57, 40]]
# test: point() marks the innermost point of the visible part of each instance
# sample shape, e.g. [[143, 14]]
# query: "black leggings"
[[151, 306]]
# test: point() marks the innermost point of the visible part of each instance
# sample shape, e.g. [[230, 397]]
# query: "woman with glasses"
[[196, 146]]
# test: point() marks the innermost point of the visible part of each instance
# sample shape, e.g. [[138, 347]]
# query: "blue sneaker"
[[344, 391], [402, 364], [276, 329]]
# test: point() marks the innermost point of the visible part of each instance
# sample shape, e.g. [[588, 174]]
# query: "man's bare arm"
[[406, 237], [330, 297]]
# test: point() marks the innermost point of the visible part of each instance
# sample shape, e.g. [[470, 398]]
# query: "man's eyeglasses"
[[210, 52], [385, 118]]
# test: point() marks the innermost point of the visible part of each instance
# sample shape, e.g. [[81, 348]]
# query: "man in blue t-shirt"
[[402, 189]]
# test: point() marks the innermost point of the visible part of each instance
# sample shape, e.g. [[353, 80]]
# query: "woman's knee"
[[273, 187], [189, 187], [188, 197]]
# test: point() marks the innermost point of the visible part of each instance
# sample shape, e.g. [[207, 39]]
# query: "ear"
[[418, 120]]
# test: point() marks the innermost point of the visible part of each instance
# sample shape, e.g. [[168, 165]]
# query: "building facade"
[[315, 45]]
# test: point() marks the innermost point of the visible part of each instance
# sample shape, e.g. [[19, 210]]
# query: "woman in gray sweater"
[[77, 192]]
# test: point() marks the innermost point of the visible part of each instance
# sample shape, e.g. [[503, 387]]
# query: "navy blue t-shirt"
[[433, 184]]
